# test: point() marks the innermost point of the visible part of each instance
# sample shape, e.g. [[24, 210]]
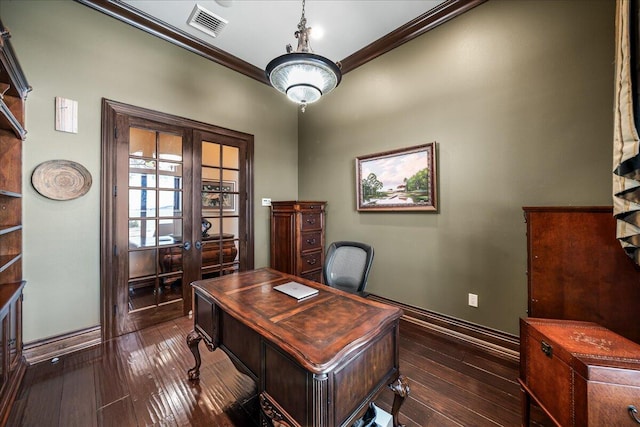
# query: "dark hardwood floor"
[[140, 379]]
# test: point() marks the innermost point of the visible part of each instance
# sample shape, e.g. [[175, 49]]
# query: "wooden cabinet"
[[212, 250], [577, 269], [13, 92], [297, 238], [12, 363], [580, 373]]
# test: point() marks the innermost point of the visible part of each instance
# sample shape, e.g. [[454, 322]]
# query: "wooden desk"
[[316, 362]]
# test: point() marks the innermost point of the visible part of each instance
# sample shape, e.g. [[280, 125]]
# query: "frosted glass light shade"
[[303, 77]]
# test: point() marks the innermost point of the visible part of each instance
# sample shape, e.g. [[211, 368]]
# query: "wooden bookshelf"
[[13, 93]]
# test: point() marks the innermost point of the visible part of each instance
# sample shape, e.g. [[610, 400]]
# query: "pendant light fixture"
[[302, 75]]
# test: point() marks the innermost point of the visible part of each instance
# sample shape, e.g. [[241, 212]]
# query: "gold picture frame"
[[398, 180]]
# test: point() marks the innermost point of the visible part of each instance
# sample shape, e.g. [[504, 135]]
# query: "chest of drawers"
[[297, 238], [580, 373]]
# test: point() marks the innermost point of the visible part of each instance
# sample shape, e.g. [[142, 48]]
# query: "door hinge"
[[115, 309], [115, 133], [115, 190], [115, 250]]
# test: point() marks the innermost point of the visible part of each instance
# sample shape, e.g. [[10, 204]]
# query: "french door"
[[219, 173], [176, 208]]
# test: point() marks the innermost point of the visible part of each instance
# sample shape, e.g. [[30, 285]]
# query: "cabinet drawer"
[[311, 241], [311, 206], [311, 221], [609, 403], [316, 276], [311, 262]]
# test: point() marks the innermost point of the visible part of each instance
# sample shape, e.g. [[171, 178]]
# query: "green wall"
[[69, 50], [519, 96]]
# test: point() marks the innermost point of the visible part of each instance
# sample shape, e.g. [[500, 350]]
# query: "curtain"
[[626, 144]]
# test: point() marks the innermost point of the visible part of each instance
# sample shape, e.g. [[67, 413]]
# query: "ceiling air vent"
[[206, 21]]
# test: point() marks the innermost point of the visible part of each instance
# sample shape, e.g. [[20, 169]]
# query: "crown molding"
[[151, 25], [412, 29], [143, 21]]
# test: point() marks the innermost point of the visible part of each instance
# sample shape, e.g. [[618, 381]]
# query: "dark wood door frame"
[[108, 258]]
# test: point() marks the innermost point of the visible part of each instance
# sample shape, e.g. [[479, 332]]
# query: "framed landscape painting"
[[398, 180], [214, 193]]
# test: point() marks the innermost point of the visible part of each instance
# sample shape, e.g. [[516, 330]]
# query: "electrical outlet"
[[473, 300], [266, 201]]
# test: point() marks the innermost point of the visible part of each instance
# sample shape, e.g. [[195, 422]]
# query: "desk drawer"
[[205, 320]]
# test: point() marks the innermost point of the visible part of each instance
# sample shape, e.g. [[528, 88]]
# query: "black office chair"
[[347, 266]]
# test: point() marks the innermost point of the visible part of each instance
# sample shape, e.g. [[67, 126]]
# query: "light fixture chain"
[[303, 33]]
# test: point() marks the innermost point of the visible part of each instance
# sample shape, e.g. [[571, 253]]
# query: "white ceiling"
[[259, 30]]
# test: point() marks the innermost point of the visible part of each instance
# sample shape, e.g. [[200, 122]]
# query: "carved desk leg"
[[193, 339], [401, 389]]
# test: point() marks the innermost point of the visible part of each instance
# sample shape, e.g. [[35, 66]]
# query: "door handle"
[[198, 245], [186, 246]]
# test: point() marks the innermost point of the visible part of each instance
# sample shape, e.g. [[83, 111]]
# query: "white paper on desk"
[[296, 290]]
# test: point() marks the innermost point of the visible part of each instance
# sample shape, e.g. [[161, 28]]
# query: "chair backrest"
[[347, 266]]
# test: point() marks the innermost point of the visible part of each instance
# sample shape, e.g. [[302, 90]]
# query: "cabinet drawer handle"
[[546, 348], [311, 241], [633, 413], [311, 261], [311, 221]]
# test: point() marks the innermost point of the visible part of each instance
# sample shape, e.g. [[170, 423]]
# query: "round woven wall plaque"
[[61, 179]]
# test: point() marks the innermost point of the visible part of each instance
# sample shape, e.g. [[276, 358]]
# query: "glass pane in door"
[[220, 202], [230, 157], [155, 206]]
